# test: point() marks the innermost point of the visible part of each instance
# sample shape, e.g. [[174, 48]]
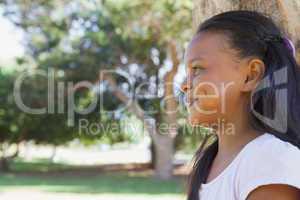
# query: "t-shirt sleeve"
[[269, 164]]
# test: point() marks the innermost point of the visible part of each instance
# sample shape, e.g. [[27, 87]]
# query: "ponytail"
[[202, 164]]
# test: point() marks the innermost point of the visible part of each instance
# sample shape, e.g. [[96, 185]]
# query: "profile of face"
[[219, 82]]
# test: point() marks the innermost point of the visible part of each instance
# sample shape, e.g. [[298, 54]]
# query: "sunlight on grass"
[[109, 185], [41, 177]]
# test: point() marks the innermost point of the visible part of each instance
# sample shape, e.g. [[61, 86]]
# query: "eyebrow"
[[198, 57], [194, 60]]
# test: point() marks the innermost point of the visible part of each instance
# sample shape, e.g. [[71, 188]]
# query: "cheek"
[[231, 97], [207, 101], [208, 97], [214, 100]]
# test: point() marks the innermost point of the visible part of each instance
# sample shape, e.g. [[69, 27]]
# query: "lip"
[[192, 102]]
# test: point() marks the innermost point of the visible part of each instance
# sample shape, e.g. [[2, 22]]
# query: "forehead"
[[206, 46]]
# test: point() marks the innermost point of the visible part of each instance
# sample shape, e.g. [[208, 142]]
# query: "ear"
[[253, 74]]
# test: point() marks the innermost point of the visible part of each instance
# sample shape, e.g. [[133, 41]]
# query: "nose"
[[186, 89], [185, 86]]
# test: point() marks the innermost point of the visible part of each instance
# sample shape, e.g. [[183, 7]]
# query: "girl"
[[242, 74]]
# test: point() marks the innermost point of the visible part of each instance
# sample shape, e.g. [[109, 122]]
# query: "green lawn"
[[109, 184], [37, 165]]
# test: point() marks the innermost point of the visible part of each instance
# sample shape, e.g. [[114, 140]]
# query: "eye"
[[197, 70]]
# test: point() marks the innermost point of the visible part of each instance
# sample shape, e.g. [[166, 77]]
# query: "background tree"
[[146, 39], [9, 118], [285, 13], [17, 126]]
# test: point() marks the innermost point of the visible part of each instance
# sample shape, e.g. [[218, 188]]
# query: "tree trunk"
[[16, 153], [53, 154], [6, 159], [163, 143], [153, 154], [164, 146], [285, 13], [4, 165]]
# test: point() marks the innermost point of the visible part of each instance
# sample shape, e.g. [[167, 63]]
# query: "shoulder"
[[269, 148], [268, 160]]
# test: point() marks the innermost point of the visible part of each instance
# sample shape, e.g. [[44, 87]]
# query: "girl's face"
[[215, 79]]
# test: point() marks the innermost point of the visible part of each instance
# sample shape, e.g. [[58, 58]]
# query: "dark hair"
[[254, 34]]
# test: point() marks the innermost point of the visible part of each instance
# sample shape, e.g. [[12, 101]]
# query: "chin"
[[202, 113], [202, 120]]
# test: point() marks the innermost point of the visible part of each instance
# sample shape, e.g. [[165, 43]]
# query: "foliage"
[[76, 40]]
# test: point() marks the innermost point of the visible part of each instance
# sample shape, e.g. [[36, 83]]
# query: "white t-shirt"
[[265, 160]]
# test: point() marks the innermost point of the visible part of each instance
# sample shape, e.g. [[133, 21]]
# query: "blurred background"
[[90, 99]]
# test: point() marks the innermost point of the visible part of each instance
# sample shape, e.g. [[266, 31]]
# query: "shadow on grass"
[[118, 183]]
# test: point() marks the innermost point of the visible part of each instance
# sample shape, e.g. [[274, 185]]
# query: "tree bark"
[[286, 13], [164, 146], [153, 155], [4, 165]]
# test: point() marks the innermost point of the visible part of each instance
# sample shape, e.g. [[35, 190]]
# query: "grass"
[[108, 183], [95, 183], [37, 165]]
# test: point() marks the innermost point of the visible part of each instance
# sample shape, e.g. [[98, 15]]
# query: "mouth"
[[192, 102]]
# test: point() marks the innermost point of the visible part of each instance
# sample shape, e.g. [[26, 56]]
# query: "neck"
[[236, 134], [231, 144]]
